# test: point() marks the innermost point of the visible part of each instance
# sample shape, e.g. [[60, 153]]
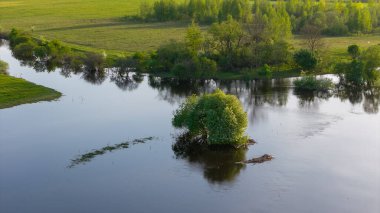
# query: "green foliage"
[[229, 46], [305, 59], [218, 117], [3, 67], [311, 83], [205, 11], [363, 67], [371, 60], [194, 38], [333, 18], [265, 71], [354, 51], [168, 55], [354, 72], [181, 60], [226, 41]]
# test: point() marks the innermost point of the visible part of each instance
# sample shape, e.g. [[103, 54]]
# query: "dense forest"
[[335, 17]]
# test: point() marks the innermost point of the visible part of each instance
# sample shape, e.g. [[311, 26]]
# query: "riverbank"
[[16, 91]]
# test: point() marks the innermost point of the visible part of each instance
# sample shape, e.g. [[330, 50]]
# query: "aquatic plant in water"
[[87, 157]]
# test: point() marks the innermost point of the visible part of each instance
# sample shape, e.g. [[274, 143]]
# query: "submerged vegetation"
[[82, 159], [311, 83], [16, 91], [216, 118]]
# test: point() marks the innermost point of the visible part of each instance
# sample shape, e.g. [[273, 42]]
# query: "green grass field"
[[16, 91], [88, 24], [98, 25]]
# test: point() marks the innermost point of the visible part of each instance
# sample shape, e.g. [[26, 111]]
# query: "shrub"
[[354, 73], [218, 117], [311, 83], [354, 51], [265, 71], [305, 59], [169, 55], [25, 50]]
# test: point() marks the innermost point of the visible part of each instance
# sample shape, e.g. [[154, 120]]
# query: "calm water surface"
[[327, 149]]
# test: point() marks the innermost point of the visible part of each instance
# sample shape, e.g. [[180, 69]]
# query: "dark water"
[[326, 148]]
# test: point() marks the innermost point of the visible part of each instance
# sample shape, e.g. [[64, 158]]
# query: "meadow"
[[98, 25], [88, 24]]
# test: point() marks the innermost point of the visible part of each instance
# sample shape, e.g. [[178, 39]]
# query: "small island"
[[15, 91]]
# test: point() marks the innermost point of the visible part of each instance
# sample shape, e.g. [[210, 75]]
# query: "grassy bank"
[[98, 25], [16, 91]]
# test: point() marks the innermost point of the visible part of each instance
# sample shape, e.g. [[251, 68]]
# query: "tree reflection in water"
[[254, 94], [369, 97], [307, 99], [218, 164], [94, 76], [126, 80]]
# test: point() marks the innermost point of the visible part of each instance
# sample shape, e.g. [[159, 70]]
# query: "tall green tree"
[[218, 117], [194, 38]]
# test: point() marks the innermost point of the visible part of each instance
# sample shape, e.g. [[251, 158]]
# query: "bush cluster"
[[228, 46], [311, 83], [363, 67], [218, 117]]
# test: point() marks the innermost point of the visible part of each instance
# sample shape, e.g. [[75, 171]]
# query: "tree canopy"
[[218, 117]]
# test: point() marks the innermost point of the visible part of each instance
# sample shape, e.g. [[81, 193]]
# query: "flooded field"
[[106, 146]]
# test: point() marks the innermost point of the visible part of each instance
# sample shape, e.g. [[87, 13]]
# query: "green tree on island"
[[217, 117]]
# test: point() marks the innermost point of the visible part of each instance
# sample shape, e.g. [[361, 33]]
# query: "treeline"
[[228, 46], [205, 11], [335, 17]]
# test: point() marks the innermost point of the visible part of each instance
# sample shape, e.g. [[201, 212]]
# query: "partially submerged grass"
[[87, 157], [16, 91], [311, 83]]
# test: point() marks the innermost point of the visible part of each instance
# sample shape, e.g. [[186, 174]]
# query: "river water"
[[326, 149]]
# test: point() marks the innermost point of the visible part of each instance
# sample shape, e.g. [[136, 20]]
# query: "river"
[[326, 149]]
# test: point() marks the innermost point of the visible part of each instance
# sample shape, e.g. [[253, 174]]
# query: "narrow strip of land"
[[16, 91]]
